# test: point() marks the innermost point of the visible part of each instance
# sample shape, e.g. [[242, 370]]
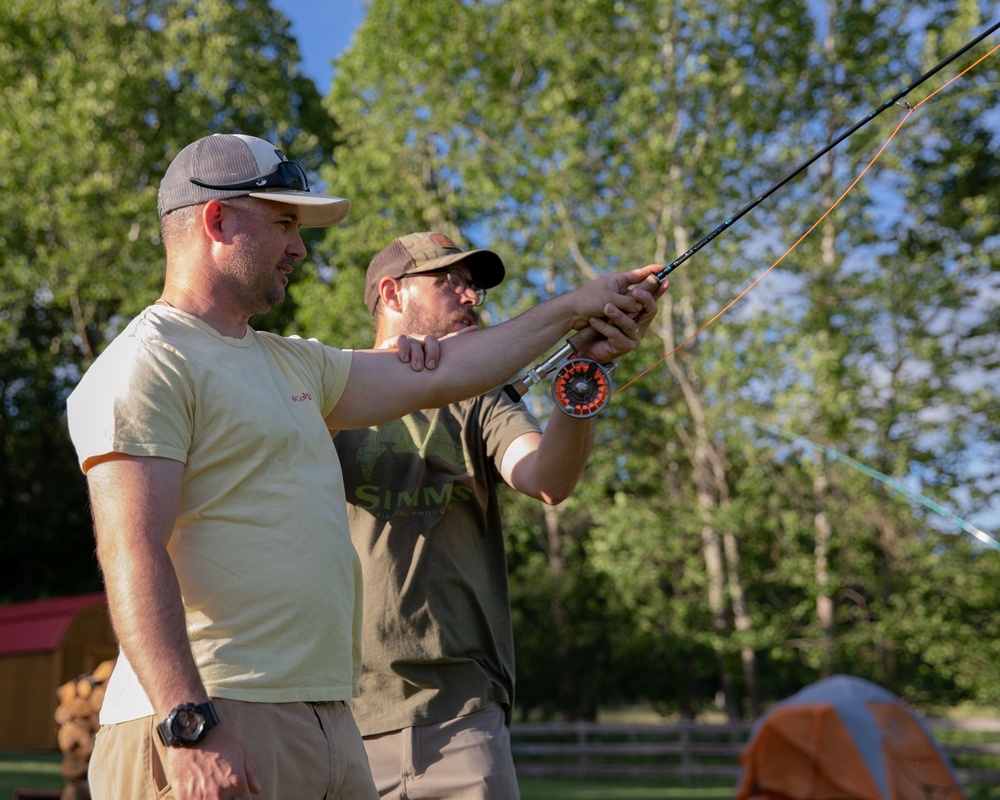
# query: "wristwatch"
[[187, 724]]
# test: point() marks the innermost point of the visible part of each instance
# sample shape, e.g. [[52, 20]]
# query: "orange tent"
[[844, 738]]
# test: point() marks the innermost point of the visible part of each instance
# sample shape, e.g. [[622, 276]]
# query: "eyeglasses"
[[287, 175], [457, 282]]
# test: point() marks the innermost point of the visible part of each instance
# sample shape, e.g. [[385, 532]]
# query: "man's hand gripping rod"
[[582, 387]]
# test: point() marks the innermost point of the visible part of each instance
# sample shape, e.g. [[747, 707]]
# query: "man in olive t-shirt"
[[437, 680]]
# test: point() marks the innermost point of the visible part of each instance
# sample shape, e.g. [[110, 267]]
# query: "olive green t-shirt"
[[425, 519]]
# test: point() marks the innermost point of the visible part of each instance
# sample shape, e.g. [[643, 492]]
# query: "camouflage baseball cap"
[[428, 252]]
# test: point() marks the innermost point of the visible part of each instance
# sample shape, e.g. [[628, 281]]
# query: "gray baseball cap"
[[226, 165]]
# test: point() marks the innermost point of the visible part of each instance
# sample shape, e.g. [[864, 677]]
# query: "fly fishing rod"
[[581, 387]]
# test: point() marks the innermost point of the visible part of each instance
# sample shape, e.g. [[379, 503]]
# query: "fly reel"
[[582, 388]]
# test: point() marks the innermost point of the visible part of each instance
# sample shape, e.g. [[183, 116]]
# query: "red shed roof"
[[39, 626]]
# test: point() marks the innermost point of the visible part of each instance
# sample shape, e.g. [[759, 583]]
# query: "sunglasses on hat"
[[287, 175]]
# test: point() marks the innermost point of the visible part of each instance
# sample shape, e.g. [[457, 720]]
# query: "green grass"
[[621, 789], [29, 771], [624, 789], [41, 771]]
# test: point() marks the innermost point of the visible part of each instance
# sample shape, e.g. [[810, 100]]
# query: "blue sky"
[[323, 29]]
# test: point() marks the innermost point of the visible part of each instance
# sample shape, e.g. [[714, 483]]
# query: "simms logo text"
[[374, 499]]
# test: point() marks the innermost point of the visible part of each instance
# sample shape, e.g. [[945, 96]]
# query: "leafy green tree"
[[887, 339], [98, 97]]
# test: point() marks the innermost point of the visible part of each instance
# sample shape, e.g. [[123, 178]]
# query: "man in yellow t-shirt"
[[218, 504]]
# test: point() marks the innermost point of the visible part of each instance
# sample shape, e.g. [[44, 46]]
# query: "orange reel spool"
[[582, 388]]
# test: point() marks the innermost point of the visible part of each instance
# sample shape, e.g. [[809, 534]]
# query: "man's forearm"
[[562, 455], [477, 362], [134, 503], [549, 465], [381, 388]]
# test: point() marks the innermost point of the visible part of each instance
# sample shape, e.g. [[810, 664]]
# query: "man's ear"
[[212, 214], [389, 294]]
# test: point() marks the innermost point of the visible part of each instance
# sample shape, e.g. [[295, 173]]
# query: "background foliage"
[[703, 559]]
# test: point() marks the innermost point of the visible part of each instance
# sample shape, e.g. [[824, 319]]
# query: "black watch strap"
[[187, 724]]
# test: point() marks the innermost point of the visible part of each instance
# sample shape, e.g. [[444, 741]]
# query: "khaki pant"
[[467, 758], [302, 751]]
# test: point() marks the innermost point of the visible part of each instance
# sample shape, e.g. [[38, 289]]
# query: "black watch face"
[[188, 725]]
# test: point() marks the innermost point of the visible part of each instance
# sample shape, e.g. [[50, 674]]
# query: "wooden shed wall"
[[28, 681]]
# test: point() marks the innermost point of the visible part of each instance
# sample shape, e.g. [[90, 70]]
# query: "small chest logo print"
[[301, 398]]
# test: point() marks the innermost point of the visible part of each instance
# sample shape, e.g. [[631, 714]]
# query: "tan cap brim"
[[315, 210]]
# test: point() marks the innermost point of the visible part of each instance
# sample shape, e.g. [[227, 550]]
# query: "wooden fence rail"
[[692, 750]]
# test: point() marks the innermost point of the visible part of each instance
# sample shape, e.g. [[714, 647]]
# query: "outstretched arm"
[[381, 388]]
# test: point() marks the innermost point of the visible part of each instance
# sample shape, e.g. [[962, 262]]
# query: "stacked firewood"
[[77, 715]]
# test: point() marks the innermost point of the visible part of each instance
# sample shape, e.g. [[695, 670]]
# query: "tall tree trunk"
[[821, 553], [721, 559], [822, 527], [741, 621]]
